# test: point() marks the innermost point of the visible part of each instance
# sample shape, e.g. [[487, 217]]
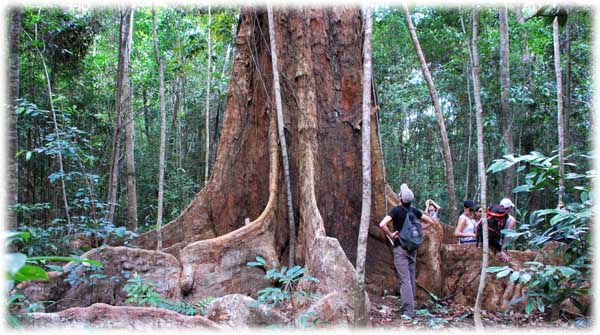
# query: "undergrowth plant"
[[287, 293], [140, 293]]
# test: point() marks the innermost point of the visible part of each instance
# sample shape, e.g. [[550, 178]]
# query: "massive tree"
[[320, 57]]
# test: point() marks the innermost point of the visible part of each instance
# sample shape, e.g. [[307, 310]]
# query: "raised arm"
[[428, 219]]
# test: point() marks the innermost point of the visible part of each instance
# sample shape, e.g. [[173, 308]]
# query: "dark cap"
[[469, 204]]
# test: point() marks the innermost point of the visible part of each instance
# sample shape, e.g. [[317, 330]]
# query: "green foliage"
[[21, 268], [287, 293], [549, 284], [144, 294], [203, 304], [546, 285], [571, 224]]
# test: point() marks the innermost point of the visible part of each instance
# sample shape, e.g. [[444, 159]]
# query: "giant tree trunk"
[[446, 152], [480, 169], [125, 105], [505, 105], [321, 91]]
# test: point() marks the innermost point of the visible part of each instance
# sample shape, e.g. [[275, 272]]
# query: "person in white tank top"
[[467, 225]]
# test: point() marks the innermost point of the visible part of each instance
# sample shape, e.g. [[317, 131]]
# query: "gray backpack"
[[411, 234]]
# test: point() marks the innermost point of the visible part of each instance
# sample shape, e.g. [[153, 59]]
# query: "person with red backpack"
[[407, 236], [498, 219]]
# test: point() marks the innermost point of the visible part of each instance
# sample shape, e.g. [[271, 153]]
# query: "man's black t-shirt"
[[398, 215]]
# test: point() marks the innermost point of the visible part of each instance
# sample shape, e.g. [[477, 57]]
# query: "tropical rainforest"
[[205, 166]]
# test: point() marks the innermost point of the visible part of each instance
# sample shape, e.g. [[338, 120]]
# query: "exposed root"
[[217, 266]]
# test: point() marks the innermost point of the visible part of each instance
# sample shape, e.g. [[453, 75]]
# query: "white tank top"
[[469, 229]]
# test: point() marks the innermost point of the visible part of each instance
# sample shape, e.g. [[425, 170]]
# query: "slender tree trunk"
[[16, 14], [146, 111], [208, 80], [505, 105], [113, 179], [163, 132], [468, 174], [447, 154], [480, 170], [57, 134], [178, 94], [567, 120], [526, 130], [127, 110], [559, 103], [468, 73], [282, 142], [361, 315]]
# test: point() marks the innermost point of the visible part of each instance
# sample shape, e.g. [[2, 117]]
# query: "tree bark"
[[361, 315], [207, 122], [122, 67], [163, 133], [468, 73], [567, 116], [282, 141], [559, 105], [321, 84], [480, 169], [16, 14], [146, 111], [447, 154], [126, 107], [505, 105]]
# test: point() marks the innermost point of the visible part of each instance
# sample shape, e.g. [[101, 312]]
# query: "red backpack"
[[496, 220]]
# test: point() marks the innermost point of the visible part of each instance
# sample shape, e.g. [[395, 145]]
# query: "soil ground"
[[385, 313]]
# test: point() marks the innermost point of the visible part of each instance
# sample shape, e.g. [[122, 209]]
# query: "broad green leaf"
[[504, 273], [65, 259], [540, 305], [567, 271], [493, 269], [522, 188], [524, 278], [30, 272], [514, 276], [530, 306], [254, 264]]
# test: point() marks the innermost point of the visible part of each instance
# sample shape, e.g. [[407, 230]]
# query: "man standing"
[[404, 260]]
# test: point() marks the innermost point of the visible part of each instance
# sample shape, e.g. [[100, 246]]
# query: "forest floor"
[[385, 313]]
